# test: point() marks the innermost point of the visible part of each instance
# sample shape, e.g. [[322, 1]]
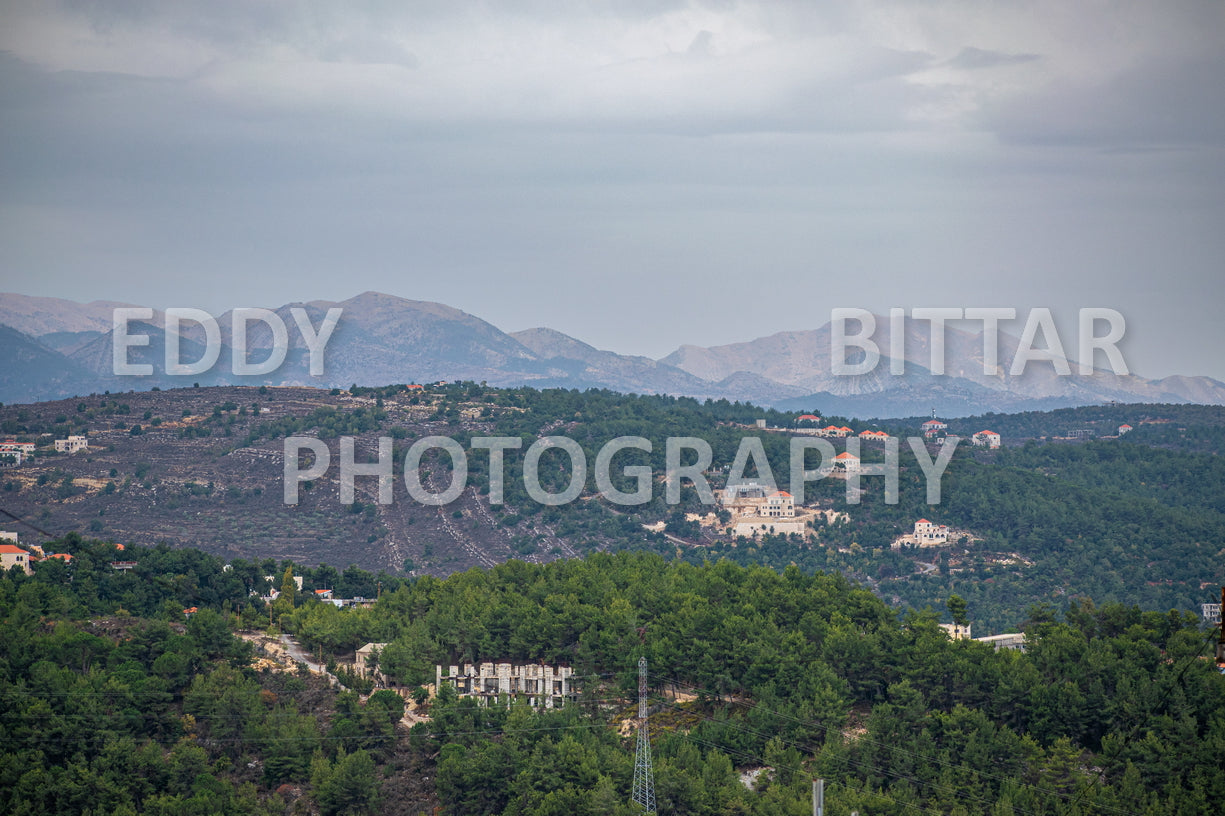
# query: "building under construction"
[[543, 685]]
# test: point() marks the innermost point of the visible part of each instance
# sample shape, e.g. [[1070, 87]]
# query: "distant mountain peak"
[[384, 338]]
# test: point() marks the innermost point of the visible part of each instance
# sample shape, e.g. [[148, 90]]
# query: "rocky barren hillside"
[[223, 492]]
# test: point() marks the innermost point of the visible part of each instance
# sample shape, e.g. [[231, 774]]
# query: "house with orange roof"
[[13, 556], [760, 510], [13, 453], [753, 499], [929, 534], [988, 439], [1124, 428], [779, 504], [847, 462], [65, 557]]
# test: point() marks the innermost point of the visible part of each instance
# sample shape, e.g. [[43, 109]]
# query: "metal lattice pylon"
[[644, 777]]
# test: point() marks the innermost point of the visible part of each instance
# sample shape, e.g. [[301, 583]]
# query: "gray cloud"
[[1163, 102], [971, 58], [637, 175]]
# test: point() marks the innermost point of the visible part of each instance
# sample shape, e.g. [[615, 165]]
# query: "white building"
[[988, 439], [72, 444], [956, 631], [929, 534], [847, 462], [1124, 428]]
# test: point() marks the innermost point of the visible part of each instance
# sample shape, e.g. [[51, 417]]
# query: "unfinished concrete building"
[[548, 686]]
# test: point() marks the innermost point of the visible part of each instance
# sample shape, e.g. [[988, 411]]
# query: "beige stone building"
[[13, 556]]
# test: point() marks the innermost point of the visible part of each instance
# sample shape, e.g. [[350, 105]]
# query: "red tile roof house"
[[989, 438], [847, 461], [927, 533], [13, 556]]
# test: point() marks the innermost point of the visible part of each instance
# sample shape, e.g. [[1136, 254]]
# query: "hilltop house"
[[847, 462], [12, 452], [757, 510], [1124, 428], [752, 499], [989, 439], [932, 427], [929, 534], [72, 444]]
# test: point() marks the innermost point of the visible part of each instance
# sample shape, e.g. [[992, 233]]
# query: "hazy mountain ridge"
[[384, 339], [37, 316]]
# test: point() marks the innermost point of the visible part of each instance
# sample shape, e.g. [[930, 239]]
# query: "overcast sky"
[[635, 174]]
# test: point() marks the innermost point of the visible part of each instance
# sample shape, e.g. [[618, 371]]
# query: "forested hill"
[[1199, 428], [116, 703], [1136, 519]]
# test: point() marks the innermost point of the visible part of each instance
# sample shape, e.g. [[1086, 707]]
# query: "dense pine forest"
[[1137, 520], [116, 701]]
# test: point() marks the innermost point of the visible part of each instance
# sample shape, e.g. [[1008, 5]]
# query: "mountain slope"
[[32, 371], [36, 316], [585, 365], [383, 339]]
